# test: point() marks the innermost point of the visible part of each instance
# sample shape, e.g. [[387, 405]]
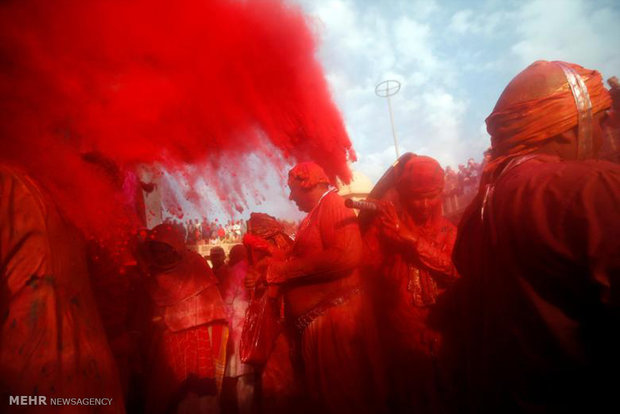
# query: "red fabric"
[[307, 175], [338, 349], [191, 309], [279, 390], [176, 357], [421, 175], [190, 352], [538, 104], [169, 234], [187, 295], [407, 284], [541, 289], [51, 341], [264, 226]]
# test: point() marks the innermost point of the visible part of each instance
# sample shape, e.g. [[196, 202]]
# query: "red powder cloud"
[[149, 81]]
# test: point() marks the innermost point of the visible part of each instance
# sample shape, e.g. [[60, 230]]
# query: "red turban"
[[264, 225], [421, 175], [307, 175], [539, 104]]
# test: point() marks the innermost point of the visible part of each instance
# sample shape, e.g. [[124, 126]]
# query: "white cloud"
[[468, 21], [453, 62], [461, 21], [413, 43], [577, 32]]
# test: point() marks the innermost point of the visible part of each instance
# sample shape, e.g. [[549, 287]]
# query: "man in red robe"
[[322, 293], [538, 250], [409, 252], [189, 339], [52, 343]]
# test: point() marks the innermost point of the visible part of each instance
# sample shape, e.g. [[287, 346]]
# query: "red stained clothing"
[[540, 288], [189, 342], [324, 303], [412, 279], [236, 299], [187, 295], [407, 284], [52, 343]]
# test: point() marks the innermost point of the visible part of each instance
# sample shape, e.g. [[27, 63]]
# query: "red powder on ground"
[[148, 81]]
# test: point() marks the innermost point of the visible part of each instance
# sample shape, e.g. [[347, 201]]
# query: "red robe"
[[189, 342], [407, 285], [323, 301], [540, 290], [52, 343]]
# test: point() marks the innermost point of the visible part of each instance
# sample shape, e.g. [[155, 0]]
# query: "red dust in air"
[[147, 81]]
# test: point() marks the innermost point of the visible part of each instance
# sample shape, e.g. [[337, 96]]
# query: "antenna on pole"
[[386, 89]]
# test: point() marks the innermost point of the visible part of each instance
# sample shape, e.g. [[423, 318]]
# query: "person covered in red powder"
[[238, 387], [410, 246], [266, 239], [538, 251], [322, 293], [52, 343], [189, 335]]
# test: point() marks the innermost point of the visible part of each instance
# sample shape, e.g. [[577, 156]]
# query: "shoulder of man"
[[546, 172], [544, 194]]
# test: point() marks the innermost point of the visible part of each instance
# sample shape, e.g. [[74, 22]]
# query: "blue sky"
[[453, 59]]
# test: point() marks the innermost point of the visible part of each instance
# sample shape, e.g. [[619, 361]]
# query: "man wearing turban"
[[321, 285], [538, 251], [409, 248]]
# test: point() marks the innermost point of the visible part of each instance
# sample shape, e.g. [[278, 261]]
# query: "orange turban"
[[421, 175], [307, 175], [539, 104]]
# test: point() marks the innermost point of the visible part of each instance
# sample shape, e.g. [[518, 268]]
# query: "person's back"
[[538, 251], [189, 332]]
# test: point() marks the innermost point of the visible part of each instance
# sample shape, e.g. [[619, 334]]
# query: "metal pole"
[[386, 89], [393, 129]]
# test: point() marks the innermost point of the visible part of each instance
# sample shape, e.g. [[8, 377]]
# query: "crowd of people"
[[461, 187], [463, 181], [392, 310], [203, 231], [213, 232]]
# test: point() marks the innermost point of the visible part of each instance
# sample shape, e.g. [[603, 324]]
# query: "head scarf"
[[168, 234], [237, 253], [217, 251], [264, 225], [421, 175], [540, 103], [307, 175]]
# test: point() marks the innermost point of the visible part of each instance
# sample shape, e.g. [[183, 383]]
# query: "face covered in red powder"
[[420, 187], [307, 182]]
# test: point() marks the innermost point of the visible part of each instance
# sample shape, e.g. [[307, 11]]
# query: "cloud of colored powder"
[[146, 81]]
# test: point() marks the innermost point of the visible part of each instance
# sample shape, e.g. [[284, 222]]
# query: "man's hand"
[[256, 274], [251, 278], [277, 272], [392, 228]]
